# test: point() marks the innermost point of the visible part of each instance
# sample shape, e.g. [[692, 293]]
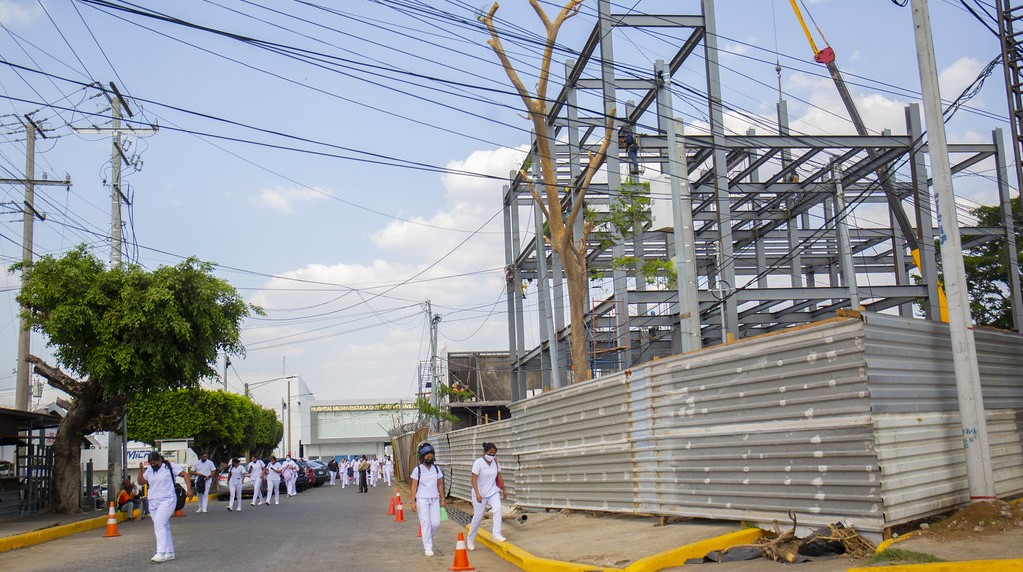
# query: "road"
[[322, 528]]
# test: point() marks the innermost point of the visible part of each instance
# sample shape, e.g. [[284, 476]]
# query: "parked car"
[[306, 475], [320, 472]]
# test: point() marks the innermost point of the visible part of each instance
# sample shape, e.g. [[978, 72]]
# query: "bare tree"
[[563, 240]]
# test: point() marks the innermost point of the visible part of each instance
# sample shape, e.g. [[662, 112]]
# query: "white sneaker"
[[428, 553], [470, 545], [159, 558], [198, 510], [228, 508], [168, 556], [204, 510], [499, 538], [252, 503]]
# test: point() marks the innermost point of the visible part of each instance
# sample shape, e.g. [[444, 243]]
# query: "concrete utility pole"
[[964, 350], [22, 393], [434, 373], [116, 444]]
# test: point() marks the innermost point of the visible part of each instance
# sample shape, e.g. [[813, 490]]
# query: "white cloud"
[[12, 12], [284, 199], [956, 77]]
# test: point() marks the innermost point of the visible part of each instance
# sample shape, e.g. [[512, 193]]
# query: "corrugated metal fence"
[[848, 420]]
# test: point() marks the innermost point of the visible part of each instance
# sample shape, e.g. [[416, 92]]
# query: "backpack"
[[179, 491]]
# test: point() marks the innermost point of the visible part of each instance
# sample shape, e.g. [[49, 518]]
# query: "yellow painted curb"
[[667, 559], [678, 556], [54, 532], [1013, 565], [886, 543]]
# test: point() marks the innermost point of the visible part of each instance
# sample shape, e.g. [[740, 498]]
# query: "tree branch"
[[495, 44], [536, 195], [56, 377], [570, 9]]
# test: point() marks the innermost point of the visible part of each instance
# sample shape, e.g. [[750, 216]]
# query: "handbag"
[[179, 491]]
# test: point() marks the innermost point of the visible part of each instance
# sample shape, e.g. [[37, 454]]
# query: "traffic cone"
[[179, 513], [399, 512], [390, 511], [420, 533], [461, 555], [111, 523]]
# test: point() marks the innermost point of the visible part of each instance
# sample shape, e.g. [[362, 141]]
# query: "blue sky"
[[343, 253]]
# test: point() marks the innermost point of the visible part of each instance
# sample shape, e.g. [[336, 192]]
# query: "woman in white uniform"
[[256, 476], [291, 475], [159, 476], [235, 478], [273, 480], [487, 489], [427, 495]]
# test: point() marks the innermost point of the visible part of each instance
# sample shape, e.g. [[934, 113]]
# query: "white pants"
[[236, 491], [161, 511], [257, 491], [203, 496], [333, 477], [273, 490], [479, 508], [387, 477], [344, 480], [291, 485], [429, 519], [372, 478]]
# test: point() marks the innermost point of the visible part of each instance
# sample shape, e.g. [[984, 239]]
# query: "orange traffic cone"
[[461, 555], [390, 511], [179, 513], [420, 533], [111, 522], [399, 512]]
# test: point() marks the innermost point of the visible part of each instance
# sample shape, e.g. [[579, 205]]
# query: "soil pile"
[[980, 518]]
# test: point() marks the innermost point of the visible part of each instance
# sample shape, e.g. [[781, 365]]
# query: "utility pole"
[[116, 443], [979, 473], [22, 393], [227, 363], [434, 373]]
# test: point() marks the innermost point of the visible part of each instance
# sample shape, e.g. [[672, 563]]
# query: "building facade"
[[354, 427]]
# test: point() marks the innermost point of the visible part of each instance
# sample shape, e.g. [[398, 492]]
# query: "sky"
[[341, 163]]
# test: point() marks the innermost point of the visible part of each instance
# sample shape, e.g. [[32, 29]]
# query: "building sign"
[[363, 407]]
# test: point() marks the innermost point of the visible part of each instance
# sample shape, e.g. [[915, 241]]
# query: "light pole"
[[285, 405]]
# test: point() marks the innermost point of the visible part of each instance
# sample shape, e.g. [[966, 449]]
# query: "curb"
[[59, 531], [674, 557], [54, 532], [1012, 565]]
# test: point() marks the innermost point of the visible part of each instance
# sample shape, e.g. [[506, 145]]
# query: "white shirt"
[[273, 472], [486, 476], [236, 474], [205, 468], [427, 477], [161, 481], [256, 470], [292, 466]]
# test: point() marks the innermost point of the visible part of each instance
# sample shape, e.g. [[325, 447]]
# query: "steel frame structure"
[[764, 234]]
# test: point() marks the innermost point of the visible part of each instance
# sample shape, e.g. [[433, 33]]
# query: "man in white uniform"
[[487, 488], [388, 470], [374, 468], [204, 468], [256, 467], [159, 476], [427, 495]]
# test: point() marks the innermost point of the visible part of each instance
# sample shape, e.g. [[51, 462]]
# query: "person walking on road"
[[273, 480], [235, 478], [363, 469], [290, 475], [427, 495], [256, 469], [487, 489], [205, 472], [388, 470], [159, 476], [332, 469]]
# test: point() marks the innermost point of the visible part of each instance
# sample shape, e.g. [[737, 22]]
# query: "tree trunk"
[[575, 278], [67, 458]]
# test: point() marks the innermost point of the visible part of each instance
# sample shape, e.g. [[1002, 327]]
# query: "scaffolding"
[[760, 228]]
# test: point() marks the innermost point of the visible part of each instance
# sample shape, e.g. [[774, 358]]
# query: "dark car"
[[306, 475], [320, 472]]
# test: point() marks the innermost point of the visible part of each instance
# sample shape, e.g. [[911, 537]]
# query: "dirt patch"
[[978, 519]]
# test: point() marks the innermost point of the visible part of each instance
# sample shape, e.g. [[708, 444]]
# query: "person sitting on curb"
[[128, 499]]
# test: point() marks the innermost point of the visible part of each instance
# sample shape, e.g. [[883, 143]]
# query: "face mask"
[[489, 458], [428, 462]]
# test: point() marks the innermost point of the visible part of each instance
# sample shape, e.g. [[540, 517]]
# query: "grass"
[[900, 556]]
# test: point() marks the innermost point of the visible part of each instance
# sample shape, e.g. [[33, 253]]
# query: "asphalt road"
[[322, 528]]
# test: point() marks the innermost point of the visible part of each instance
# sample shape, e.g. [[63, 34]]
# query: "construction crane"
[[827, 57]]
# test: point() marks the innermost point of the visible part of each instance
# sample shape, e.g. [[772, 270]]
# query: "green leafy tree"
[[986, 275], [122, 333], [223, 425]]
